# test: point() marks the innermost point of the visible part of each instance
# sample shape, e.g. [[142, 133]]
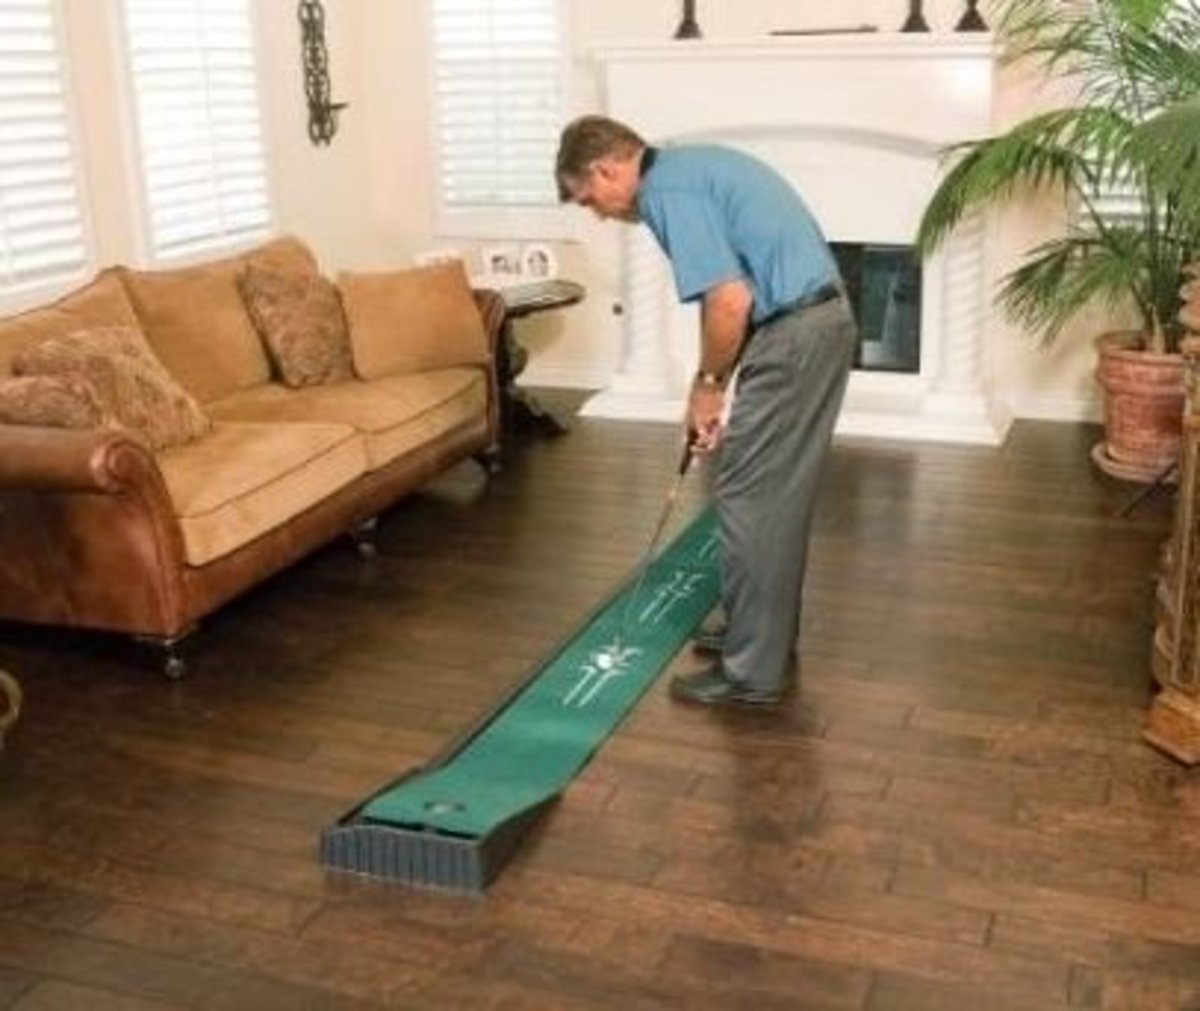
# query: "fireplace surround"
[[858, 123]]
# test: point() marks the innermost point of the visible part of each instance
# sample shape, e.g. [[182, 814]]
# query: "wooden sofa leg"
[[170, 651], [490, 460], [363, 536], [10, 704]]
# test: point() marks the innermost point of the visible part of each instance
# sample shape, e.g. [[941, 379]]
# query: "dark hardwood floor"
[[955, 813]]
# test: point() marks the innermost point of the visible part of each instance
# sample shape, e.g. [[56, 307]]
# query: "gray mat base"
[[421, 858]]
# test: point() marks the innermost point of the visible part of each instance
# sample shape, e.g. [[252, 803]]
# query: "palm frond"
[[1142, 15], [1068, 148], [1062, 277], [1127, 155], [1134, 55], [1166, 149]]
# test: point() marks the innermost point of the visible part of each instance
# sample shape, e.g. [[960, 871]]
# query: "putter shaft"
[[668, 507]]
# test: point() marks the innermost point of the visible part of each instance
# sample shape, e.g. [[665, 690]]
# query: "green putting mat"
[[529, 751]]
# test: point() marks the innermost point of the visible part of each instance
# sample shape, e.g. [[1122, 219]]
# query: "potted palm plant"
[[1126, 155]]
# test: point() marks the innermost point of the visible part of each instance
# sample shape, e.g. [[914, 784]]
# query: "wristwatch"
[[712, 380]]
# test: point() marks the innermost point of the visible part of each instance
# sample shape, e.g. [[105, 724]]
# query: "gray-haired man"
[[742, 243]]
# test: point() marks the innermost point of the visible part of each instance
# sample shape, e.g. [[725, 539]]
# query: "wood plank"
[[300, 965], [14, 983], [57, 996], [1128, 917], [757, 975], [898, 992]]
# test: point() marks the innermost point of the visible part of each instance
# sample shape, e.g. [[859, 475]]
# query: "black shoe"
[[709, 686], [709, 641]]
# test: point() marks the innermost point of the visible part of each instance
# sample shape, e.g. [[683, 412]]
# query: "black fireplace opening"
[[883, 283]]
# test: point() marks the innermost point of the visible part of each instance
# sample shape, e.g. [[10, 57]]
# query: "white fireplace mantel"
[[870, 47], [857, 122]]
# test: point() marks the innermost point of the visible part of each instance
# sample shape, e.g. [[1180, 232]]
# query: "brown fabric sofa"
[[99, 532]]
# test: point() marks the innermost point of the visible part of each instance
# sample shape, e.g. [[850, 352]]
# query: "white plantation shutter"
[[196, 91], [41, 223], [498, 78], [1118, 203]]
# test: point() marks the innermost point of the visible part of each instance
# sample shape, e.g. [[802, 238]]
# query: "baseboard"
[[1058, 408], [1077, 409], [567, 377]]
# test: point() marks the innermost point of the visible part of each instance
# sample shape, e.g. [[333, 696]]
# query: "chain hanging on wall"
[[322, 111]]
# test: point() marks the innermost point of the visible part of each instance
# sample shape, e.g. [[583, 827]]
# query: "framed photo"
[[538, 262], [503, 262]]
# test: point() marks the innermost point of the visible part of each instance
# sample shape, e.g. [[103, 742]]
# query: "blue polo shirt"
[[720, 215]]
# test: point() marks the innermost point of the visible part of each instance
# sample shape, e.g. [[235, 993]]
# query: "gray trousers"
[[790, 387]]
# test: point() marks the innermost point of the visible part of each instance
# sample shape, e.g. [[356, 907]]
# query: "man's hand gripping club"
[[725, 325]]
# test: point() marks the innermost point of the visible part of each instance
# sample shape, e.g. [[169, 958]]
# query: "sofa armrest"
[[495, 323], [493, 310], [65, 460], [88, 535]]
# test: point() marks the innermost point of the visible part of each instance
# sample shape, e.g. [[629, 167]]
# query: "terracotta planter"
[[1143, 409]]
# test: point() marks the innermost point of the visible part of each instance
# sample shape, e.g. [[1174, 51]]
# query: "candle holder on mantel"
[[972, 20], [916, 18], [689, 27]]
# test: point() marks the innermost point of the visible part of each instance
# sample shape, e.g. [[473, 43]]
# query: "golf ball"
[[604, 661]]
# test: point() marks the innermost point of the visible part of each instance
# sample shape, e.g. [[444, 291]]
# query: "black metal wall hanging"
[[916, 18], [689, 27], [322, 110], [972, 20]]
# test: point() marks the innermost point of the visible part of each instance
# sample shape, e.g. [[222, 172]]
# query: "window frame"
[[551, 222], [137, 184], [21, 296]]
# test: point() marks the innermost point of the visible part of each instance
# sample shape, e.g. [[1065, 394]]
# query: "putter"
[[608, 658], [611, 658]]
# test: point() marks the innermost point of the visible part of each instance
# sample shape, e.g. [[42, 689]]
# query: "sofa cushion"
[[132, 387], [287, 254], [50, 402], [394, 415], [101, 302], [412, 320], [299, 317], [244, 480], [196, 322]]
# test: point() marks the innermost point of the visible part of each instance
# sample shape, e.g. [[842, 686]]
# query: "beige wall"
[[319, 190], [582, 345], [367, 200], [1044, 381]]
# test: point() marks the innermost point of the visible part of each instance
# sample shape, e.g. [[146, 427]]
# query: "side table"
[[521, 300]]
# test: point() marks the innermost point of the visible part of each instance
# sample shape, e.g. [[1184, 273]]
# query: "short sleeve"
[[690, 230]]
